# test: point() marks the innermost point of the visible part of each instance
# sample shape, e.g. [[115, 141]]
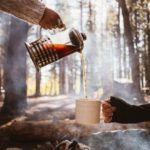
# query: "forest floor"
[[57, 109]]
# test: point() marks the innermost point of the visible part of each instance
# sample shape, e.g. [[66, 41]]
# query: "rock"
[[133, 139], [74, 145]]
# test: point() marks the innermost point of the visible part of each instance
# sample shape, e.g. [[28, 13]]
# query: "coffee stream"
[[84, 75]]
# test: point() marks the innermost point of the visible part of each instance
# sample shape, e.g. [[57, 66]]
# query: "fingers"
[[106, 104], [60, 23], [51, 20], [107, 110], [108, 119]]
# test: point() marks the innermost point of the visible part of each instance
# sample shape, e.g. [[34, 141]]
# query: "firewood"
[[46, 130]]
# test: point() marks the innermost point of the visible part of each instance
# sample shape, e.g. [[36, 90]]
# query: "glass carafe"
[[47, 50]]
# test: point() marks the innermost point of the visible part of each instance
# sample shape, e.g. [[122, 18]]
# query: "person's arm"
[[117, 110], [32, 11], [28, 10]]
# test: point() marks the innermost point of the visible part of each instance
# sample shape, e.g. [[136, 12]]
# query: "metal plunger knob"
[[76, 37]]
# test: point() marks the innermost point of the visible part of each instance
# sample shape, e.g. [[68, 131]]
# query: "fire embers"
[[67, 145]]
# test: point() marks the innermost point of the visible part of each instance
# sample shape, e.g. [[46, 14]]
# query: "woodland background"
[[117, 54]]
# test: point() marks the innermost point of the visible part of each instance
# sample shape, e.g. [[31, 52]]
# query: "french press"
[[46, 50]]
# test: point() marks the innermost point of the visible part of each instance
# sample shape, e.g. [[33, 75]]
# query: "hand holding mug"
[[117, 110], [108, 111]]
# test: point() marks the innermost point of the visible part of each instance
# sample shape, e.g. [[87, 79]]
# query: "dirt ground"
[[55, 109]]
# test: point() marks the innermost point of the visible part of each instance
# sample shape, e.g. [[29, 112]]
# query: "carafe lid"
[[77, 38]]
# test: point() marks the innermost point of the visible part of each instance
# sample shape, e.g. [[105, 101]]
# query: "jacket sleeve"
[[126, 113], [27, 10]]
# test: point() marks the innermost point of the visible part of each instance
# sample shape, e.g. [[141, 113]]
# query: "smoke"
[[132, 139], [14, 64]]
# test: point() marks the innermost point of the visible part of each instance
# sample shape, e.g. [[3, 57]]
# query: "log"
[[46, 130]]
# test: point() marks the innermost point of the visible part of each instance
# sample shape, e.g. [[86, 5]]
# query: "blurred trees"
[[133, 55], [117, 52], [130, 40]]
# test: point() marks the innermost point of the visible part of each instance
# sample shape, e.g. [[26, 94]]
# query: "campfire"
[[74, 145]]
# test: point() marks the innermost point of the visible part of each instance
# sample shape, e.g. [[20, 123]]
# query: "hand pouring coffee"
[[47, 50]]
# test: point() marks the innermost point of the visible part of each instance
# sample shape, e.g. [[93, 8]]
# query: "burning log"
[[46, 130]]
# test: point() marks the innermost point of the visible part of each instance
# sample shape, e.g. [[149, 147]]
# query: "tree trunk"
[[38, 82], [71, 81], [15, 69], [62, 76], [133, 57], [119, 43], [38, 74], [148, 56], [4, 35]]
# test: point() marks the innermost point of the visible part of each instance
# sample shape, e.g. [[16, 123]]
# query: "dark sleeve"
[[126, 113]]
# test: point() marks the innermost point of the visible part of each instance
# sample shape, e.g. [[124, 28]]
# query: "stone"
[[74, 145]]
